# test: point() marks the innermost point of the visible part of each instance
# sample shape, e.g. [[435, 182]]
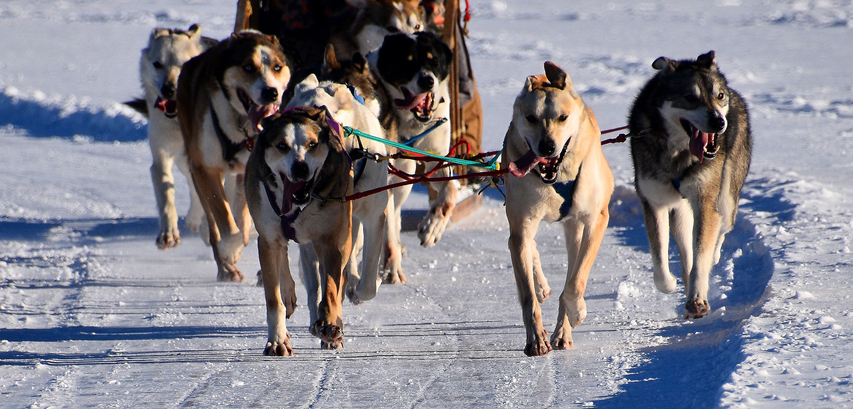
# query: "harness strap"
[[286, 215], [229, 148]]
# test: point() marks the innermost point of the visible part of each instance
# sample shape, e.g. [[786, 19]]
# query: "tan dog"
[[559, 174], [295, 178], [222, 96]]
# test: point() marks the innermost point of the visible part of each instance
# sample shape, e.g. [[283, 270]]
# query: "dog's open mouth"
[[256, 112], [169, 107], [295, 193], [703, 145], [421, 105], [547, 167]]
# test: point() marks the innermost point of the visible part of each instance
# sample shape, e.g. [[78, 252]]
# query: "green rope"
[[491, 164]]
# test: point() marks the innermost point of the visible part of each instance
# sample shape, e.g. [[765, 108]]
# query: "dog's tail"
[[138, 105]]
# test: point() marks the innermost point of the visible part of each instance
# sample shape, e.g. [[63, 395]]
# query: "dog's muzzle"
[[703, 145]]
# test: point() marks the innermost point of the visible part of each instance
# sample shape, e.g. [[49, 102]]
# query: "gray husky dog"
[[690, 164]]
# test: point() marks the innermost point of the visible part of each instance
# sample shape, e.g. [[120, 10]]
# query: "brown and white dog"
[[295, 179], [159, 67], [222, 96], [559, 174]]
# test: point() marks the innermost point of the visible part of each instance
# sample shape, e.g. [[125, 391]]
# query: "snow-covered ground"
[[92, 314]]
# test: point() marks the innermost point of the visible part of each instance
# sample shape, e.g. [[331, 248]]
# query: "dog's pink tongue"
[[290, 188], [698, 142], [526, 163], [165, 105], [259, 112], [410, 101]]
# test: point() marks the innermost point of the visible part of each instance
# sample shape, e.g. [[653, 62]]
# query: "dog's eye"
[[392, 29], [277, 68], [530, 118], [417, 27], [721, 96], [282, 147], [249, 68], [312, 145], [562, 118], [158, 65]]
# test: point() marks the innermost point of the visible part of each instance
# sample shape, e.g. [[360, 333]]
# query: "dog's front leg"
[[373, 233], [280, 295], [393, 253], [236, 193], [227, 240], [333, 250], [164, 193], [657, 230], [583, 240], [329, 326], [195, 214], [522, 247], [706, 232], [435, 222]]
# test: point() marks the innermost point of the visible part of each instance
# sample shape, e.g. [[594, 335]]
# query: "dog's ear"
[[266, 124], [344, 98], [557, 76], [159, 32], [194, 32], [359, 63], [533, 82], [663, 63], [330, 62], [707, 60]]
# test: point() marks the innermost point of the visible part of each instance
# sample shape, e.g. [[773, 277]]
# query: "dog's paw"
[[168, 238], [231, 248], [562, 339], [539, 346], [432, 227], [353, 296], [331, 336], [331, 345], [577, 312], [279, 348], [229, 272], [395, 276], [665, 282], [696, 308], [542, 292]]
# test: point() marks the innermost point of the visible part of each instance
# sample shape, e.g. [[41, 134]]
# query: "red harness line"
[[424, 178]]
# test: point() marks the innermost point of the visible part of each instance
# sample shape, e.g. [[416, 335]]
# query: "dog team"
[[256, 124]]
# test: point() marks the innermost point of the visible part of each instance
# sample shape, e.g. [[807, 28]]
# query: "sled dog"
[[559, 174], [689, 167], [368, 212], [159, 66], [413, 70], [295, 179], [222, 96]]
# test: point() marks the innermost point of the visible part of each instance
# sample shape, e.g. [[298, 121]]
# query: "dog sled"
[[466, 117]]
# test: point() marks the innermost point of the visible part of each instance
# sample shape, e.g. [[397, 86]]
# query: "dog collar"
[[229, 148]]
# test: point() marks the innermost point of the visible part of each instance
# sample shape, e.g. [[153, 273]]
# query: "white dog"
[[159, 67], [368, 212]]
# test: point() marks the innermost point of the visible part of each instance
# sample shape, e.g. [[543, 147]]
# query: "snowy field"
[[92, 314]]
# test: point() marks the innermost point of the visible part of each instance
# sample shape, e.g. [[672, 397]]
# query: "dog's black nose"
[[168, 90], [269, 94], [547, 147], [299, 170], [426, 82], [717, 122]]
